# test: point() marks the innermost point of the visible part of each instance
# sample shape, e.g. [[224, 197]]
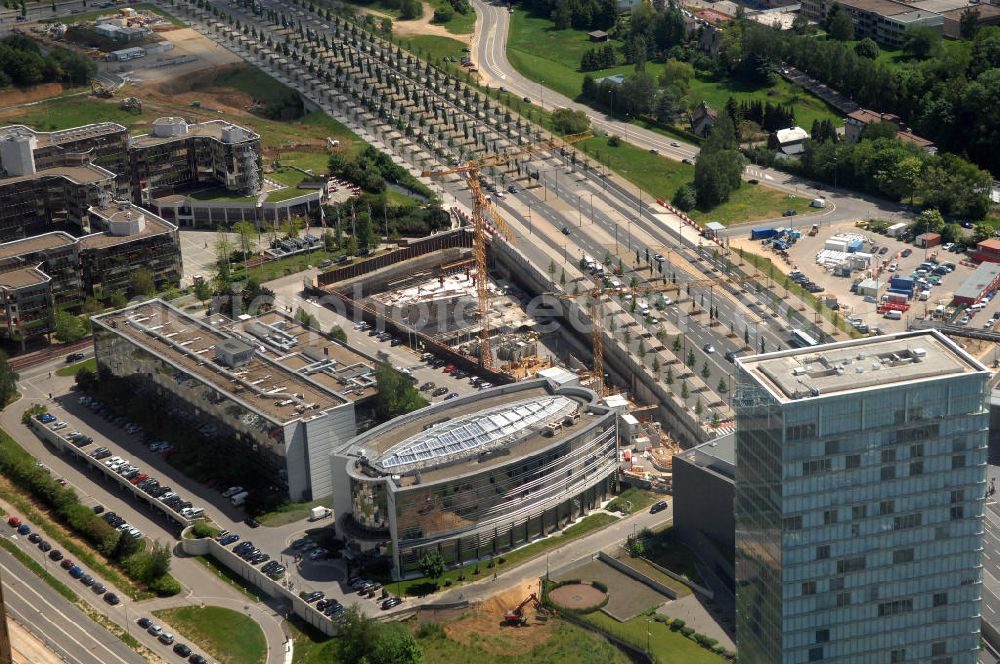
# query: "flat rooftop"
[[881, 7], [23, 277], [155, 225], [88, 174], [41, 242], [332, 365], [265, 386], [387, 451], [858, 365], [47, 138], [210, 129]]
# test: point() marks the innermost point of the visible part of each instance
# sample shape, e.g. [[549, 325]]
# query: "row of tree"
[[596, 58], [719, 165], [579, 14], [22, 63], [768, 116]]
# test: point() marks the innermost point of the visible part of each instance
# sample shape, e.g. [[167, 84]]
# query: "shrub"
[[501, 560], [35, 409], [660, 618], [202, 529], [430, 630], [165, 586], [600, 586], [461, 577], [703, 640], [718, 649], [687, 631], [447, 583], [677, 624]]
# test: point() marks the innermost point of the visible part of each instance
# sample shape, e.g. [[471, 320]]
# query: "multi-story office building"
[[860, 488], [475, 476], [53, 199], [263, 388], [177, 156], [57, 270]]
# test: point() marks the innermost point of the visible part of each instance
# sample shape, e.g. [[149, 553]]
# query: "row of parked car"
[[167, 638], [248, 552], [804, 281], [74, 570]]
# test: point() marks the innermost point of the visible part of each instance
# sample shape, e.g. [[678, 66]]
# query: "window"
[[907, 521], [902, 556], [957, 512], [958, 461], [816, 467], [958, 496], [940, 599], [800, 431], [895, 607], [792, 523], [823, 552], [958, 445], [836, 583], [939, 648], [809, 588], [843, 599], [822, 635], [886, 507], [852, 461], [916, 468], [888, 472], [897, 656], [815, 654], [859, 512], [888, 456], [829, 517], [831, 447], [850, 565], [916, 451]]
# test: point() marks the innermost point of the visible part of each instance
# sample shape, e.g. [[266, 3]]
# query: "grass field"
[[293, 512], [310, 645], [73, 368], [433, 48], [667, 646], [544, 54], [90, 16], [660, 177], [639, 499], [253, 82], [227, 635], [567, 643]]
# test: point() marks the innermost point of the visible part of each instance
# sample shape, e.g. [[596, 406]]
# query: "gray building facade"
[[859, 501]]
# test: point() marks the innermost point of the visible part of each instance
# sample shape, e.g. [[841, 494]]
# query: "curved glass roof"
[[476, 433]]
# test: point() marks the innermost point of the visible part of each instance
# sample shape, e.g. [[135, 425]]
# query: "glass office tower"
[[860, 490]]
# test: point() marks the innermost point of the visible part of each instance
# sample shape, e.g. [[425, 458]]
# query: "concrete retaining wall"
[[69, 449], [637, 575], [209, 547]]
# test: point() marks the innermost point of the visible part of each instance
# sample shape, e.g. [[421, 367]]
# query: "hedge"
[[600, 586], [23, 470]]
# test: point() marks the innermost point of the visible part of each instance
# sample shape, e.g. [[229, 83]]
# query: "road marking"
[[54, 610]]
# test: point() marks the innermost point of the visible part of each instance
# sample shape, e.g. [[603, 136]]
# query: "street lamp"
[[592, 207]]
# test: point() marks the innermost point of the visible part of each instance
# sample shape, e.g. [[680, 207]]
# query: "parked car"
[[111, 599], [658, 506], [182, 649], [74, 357]]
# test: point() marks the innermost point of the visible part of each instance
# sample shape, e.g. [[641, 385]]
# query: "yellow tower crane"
[[481, 209], [594, 307]]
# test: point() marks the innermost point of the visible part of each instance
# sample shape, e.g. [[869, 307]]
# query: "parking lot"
[[904, 256]]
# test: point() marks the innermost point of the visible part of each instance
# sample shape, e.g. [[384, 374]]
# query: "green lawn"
[[422, 586], [228, 636], [90, 16], [293, 512], [317, 162], [461, 24], [666, 551], [285, 266], [310, 645], [253, 82], [566, 643], [232, 578], [220, 194], [433, 48], [640, 499], [667, 646], [660, 177], [73, 368], [541, 53]]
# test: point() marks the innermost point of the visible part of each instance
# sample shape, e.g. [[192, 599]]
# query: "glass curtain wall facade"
[[479, 514], [859, 523]]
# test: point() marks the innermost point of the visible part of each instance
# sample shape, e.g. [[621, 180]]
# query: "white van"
[[894, 315], [925, 295], [241, 497]]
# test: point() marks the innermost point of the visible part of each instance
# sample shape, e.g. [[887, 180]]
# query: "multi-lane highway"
[[65, 629]]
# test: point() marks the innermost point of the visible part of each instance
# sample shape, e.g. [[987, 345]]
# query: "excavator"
[[515, 616]]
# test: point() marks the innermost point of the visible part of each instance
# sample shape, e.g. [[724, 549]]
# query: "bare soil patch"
[[420, 26], [15, 96], [484, 624], [577, 596]]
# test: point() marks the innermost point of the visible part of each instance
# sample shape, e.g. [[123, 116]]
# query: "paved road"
[[200, 584], [489, 45], [64, 628]]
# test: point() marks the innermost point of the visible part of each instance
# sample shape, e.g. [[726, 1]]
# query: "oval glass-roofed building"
[[475, 476]]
